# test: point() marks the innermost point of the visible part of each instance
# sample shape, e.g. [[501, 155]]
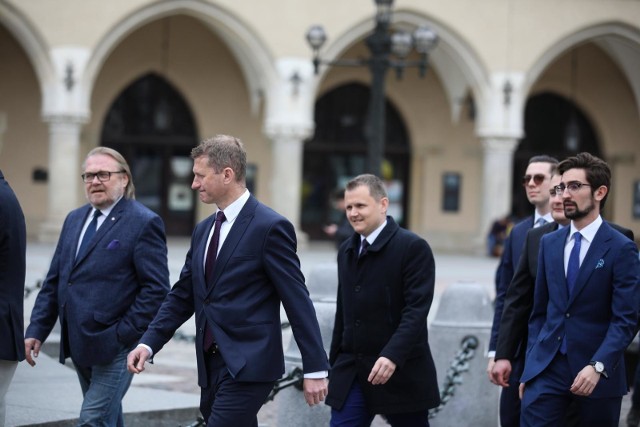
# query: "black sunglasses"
[[537, 179]]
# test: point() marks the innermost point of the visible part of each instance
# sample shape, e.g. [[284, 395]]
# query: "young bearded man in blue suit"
[[107, 279], [241, 265], [537, 183], [585, 308], [13, 246]]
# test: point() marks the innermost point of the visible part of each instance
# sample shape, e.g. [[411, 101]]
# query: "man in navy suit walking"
[[585, 308], [107, 279], [13, 245], [537, 183], [241, 265]]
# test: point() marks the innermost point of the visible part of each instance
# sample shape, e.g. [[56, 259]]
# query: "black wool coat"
[[382, 306]]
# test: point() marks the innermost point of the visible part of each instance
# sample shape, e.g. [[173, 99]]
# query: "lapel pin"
[[600, 263]]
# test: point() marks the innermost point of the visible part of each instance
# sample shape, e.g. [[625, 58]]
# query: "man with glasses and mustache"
[[106, 281], [537, 183], [585, 308]]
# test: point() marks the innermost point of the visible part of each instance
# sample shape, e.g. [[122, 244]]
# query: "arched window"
[[337, 152], [152, 126]]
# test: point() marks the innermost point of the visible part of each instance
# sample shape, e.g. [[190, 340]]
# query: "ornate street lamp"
[[387, 51]]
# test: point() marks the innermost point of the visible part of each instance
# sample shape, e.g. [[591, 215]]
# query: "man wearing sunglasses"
[[537, 183], [585, 308]]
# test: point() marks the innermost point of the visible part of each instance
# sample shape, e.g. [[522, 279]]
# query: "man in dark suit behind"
[[512, 340], [107, 279], [241, 265], [381, 362], [585, 308], [536, 182], [13, 245]]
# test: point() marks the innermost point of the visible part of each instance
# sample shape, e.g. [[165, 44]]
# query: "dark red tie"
[[212, 253]]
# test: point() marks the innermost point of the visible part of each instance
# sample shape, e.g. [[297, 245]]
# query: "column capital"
[[502, 112], [291, 99], [500, 143], [66, 93]]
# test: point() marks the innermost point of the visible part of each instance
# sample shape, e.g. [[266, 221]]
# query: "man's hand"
[[585, 381], [490, 366], [315, 390], [32, 346], [136, 359], [501, 372], [381, 371]]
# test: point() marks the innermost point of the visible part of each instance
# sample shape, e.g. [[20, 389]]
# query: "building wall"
[[232, 62]]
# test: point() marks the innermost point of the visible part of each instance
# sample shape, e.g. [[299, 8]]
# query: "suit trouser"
[[547, 398], [227, 402], [354, 413], [510, 397], [7, 370], [103, 387]]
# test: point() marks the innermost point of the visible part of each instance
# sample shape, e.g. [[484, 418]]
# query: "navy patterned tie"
[[89, 233], [363, 248], [574, 262]]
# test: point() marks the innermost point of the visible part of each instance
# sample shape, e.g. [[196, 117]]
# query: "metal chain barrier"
[[459, 365]]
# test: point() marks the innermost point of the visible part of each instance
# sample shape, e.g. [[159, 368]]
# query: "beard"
[[571, 210]]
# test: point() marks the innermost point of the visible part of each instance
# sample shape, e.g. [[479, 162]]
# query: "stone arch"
[[459, 67], [253, 56], [617, 39], [31, 41]]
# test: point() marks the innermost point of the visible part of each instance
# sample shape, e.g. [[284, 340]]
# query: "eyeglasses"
[[103, 176], [572, 188], [537, 179]]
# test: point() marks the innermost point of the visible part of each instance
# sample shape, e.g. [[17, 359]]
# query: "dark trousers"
[[509, 396], [227, 402], [354, 413], [547, 399]]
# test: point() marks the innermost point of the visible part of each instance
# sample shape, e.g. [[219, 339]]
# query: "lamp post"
[[387, 51]]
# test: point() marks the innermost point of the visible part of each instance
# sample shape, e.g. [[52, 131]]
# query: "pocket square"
[[600, 263], [114, 244]]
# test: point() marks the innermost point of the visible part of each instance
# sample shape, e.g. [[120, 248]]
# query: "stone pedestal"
[[465, 310]]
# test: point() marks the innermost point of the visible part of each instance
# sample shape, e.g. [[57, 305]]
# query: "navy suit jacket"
[[506, 270], [13, 244], [256, 269], [599, 318], [107, 297], [383, 301], [512, 340]]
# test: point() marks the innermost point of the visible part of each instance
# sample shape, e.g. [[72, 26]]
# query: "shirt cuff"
[[148, 349], [317, 375], [491, 353]]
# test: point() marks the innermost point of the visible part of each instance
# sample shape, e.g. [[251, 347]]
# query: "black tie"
[[212, 253], [89, 233], [363, 248]]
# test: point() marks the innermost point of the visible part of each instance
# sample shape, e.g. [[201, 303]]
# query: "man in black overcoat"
[[380, 358]]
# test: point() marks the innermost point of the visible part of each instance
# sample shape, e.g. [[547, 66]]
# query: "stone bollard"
[[465, 309], [292, 410]]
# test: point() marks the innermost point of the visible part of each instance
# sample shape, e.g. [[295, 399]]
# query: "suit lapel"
[[555, 265], [597, 250], [114, 216]]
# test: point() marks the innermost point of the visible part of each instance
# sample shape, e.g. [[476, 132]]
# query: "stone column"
[[64, 173], [496, 178], [288, 123], [65, 108], [500, 128], [3, 127]]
